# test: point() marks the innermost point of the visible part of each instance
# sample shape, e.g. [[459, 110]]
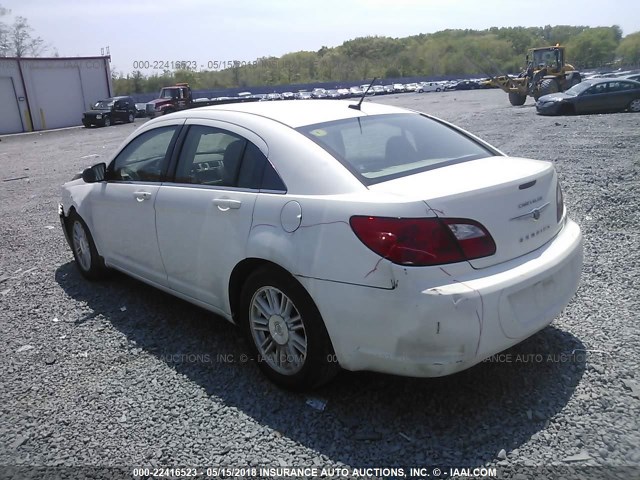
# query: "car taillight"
[[424, 241], [559, 202]]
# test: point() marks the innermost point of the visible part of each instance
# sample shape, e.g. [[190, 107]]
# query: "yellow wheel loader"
[[546, 73]]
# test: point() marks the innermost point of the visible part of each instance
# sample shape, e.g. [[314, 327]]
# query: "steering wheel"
[[129, 174]]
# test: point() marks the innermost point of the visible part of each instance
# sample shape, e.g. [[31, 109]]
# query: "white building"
[[43, 93]]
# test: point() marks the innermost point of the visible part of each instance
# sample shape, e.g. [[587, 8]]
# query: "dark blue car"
[[599, 95]]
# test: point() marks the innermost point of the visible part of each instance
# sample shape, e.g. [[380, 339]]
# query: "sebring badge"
[[535, 213]]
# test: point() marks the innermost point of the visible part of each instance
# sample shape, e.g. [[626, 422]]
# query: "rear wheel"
[[131, 117], [547, 86], [516, 99], [634, 106], [88, 261], [285, 331]]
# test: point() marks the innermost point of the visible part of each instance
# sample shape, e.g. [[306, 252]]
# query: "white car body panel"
[[440, 320], [420, 321], [487, 190], [116, 208], [202, 235]]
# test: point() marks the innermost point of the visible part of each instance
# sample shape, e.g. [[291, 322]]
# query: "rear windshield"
[[378, 148]]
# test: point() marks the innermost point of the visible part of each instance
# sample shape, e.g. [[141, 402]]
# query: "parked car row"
[[356, 91], [108, 111]]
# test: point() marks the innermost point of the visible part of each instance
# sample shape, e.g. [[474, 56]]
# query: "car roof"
[[595, 81], [297, 114]]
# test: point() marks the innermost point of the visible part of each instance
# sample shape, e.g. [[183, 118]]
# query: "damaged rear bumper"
[[438, 321]]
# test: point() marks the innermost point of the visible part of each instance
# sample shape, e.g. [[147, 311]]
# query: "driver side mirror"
[[95, 173]]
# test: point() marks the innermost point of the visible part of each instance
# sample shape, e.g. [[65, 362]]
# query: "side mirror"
[[94, 174]]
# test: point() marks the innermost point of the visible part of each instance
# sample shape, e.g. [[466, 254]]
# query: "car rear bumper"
[[424, 328]]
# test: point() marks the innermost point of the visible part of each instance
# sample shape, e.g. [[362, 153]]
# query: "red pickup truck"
[[179, 97]]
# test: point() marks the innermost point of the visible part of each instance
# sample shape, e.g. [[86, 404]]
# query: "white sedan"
[[366, 237]]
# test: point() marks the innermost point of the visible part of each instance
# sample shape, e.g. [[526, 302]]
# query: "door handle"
[[141, 196], [225, 204]]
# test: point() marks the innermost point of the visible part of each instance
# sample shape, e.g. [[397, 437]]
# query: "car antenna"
[[357, 105]]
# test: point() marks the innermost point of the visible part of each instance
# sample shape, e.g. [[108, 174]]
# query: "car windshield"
[[169, 93], [103, 105], [378, 148], [578, 89]]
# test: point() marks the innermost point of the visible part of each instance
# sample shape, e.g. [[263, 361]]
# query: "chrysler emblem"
[[535, 213]]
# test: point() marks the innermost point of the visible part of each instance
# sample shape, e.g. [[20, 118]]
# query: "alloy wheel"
[[278, 331], [81, 246]]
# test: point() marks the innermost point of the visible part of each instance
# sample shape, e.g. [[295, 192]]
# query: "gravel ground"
[[119, 374]]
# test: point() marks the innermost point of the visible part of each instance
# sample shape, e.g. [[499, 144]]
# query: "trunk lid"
[[514, 198]]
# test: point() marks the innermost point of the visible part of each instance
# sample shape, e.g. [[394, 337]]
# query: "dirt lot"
[[119, 374]]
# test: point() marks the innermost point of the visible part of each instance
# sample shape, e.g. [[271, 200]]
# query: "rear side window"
[[378, 148], [257, 172], [220, 158]]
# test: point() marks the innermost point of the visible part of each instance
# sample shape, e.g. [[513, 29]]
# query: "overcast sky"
[[207, 31]]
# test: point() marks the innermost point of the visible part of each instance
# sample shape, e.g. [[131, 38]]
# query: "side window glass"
[[210, 156], [145, 158], [253, 164], [271, 180], [257, 172], [600, 88]]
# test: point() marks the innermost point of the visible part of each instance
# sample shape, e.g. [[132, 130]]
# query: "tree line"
[[442, 54], [16, 38]]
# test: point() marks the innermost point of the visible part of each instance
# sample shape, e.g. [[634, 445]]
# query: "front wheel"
[[634, 106], [285, 331], [516, 99], [547, 86], [106, 122], [84, 249]]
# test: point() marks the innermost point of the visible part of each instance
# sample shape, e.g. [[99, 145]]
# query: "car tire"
[[516, 99], [106, 122], [575, 80], [634, 106], [292, 346], [438, 90], [86, 124], [547, 86], [88, 261], [131, 118]]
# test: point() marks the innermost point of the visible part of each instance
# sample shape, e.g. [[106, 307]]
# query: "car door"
[[621, 95], [204, 215], [118, 113], [122, 207], [594, 99]]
